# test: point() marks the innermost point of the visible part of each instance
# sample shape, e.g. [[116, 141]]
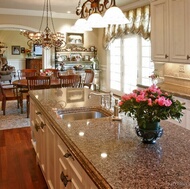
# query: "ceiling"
[[58, 7]]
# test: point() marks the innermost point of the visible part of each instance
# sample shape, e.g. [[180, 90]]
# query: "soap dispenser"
[[116, 111]]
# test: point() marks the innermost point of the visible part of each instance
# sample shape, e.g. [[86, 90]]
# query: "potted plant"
[[148, 107]]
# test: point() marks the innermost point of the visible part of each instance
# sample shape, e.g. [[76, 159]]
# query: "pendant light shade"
[[81, 25], [92, 10], [95, 20], [114, 15]]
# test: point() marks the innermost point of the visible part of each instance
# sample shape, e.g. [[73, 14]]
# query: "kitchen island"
[[108, 151]]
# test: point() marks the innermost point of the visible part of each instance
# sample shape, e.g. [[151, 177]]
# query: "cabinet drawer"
[[77, 175]]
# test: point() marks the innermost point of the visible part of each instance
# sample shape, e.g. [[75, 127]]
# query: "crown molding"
[[23, 12], [134, 5]]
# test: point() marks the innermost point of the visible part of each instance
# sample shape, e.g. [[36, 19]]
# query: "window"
[[130, 64]]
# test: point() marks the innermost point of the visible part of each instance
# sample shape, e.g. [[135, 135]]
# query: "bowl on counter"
[[78, 67]]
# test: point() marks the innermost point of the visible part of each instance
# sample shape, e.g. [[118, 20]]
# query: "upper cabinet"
[[159, 31], [179, 31], [170, 29]]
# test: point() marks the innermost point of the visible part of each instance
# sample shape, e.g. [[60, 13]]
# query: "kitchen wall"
[[13, 37]]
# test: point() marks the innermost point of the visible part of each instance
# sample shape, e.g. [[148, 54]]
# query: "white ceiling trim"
[[35, 13], [16, 27]]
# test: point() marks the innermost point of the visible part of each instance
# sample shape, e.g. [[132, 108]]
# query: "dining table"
[[22, 83]]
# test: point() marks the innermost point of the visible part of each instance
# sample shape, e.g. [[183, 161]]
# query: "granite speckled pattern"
[[129, 163]]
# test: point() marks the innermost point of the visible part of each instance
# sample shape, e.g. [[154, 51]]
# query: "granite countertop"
[[110, 151]]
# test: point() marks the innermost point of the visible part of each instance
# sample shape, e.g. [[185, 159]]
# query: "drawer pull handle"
[[67, 155], [188, 57], [64, 179], [37, 127], [38, 113], [42, 125], [166, 56]]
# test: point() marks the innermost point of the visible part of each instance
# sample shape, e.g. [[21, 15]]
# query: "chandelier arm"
[[82, 11], [46, 38], [108, 4], [93, 6]]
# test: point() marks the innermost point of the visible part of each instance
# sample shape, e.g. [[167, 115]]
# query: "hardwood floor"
[[18, 167]]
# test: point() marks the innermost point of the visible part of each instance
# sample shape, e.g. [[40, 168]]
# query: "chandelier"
[[91, 12], [46, 38]]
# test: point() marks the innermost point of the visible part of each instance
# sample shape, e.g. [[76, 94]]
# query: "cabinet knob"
[[166, 56], [38, 113], [42, 125], [67, 155], [188, 57], [37, 127], [64, 179]]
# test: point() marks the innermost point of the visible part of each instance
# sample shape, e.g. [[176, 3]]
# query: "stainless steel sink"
[[80, 115]]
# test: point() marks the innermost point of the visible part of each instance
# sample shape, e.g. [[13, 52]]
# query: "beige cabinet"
[[59, 167], [38, 130], [70, 174], [50, 155], [170, 41], [159, 31], [179, 31]]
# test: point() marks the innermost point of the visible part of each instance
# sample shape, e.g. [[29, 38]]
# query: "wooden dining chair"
[[36, 83], [9, 92], [89, 77], [70, 80], [22, 74]]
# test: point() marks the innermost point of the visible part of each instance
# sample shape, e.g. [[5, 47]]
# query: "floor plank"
[[18, 167]]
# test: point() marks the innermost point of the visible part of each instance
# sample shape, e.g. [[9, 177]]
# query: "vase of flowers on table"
[[154, 77], [28, 52], [148, 107]]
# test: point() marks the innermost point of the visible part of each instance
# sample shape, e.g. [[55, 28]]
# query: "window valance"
[[139, 24]]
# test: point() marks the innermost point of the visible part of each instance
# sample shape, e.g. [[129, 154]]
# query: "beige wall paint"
[[13, 37]]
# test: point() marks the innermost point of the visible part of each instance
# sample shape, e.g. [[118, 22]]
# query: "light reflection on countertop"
[[113, 152]]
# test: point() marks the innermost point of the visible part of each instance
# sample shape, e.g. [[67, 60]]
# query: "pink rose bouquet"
[[151, 105]]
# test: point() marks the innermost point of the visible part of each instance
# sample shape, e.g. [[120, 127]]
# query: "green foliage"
[[151, 105]]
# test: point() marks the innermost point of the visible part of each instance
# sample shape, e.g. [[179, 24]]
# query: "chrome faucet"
[[116, 116], [104, 102]]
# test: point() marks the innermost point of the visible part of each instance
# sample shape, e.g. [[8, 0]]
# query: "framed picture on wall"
[[15, 50], [75, 38], [22, 50]]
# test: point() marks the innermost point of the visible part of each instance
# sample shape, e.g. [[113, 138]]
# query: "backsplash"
[[176, 78], [177, 70]]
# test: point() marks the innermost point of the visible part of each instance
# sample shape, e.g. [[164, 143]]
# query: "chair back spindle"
[[70, 80]]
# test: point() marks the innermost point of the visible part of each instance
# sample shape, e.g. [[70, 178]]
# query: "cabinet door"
[[179, 32], [70, 174], [41, 143], [159, 31], [50, 153]]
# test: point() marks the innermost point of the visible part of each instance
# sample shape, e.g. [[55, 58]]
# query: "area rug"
[[13, 118]]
